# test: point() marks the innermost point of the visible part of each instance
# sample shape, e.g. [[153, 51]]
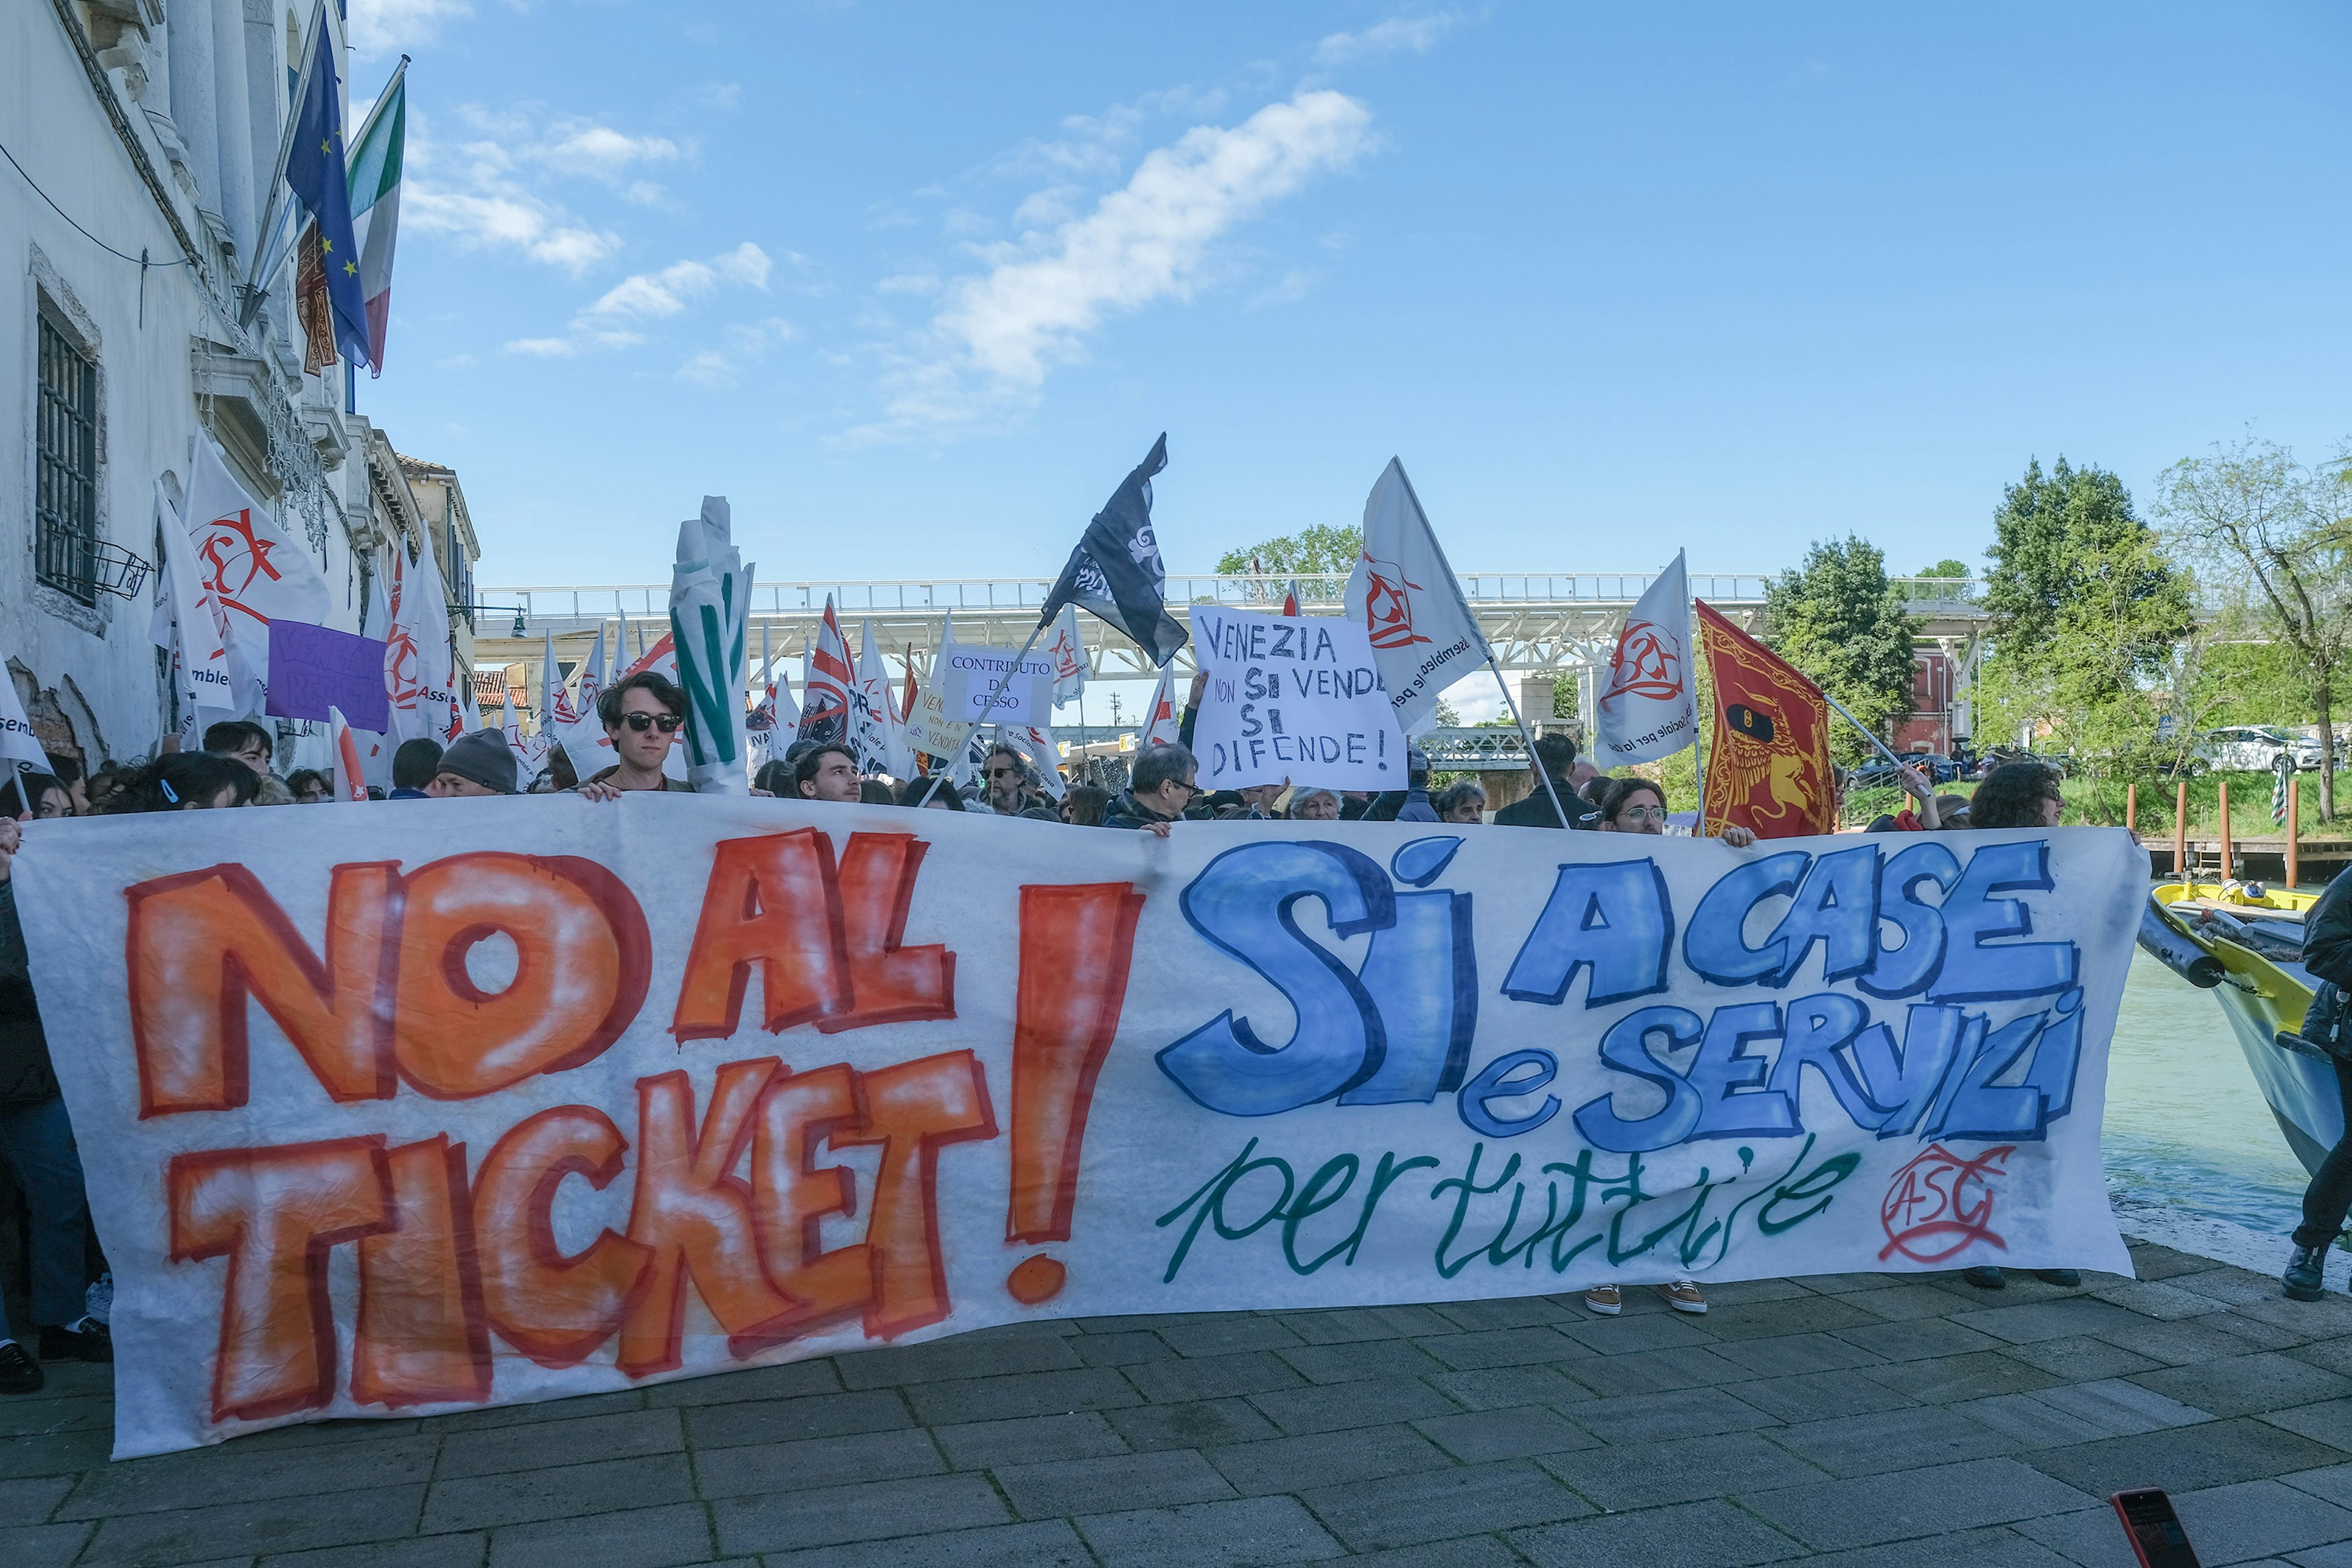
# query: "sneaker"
[[19, 1373], [2069, 1278], [98, 1300], [1605, 1300], [1985, 1277], [2304, 1279], [86, 1340], [1683, 1296]]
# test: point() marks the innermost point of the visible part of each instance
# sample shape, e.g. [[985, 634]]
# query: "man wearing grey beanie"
[[479, 763]]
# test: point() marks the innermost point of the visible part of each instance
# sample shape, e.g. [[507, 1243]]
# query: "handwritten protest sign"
[[969, 677], [313, 668], [540, 1098], [1292, 699]]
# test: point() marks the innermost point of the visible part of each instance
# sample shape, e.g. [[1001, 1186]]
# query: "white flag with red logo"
[[1162, 723], [824, 693], [1425, 637], [880, 739], [555, 709], [350, 769], [259, 574], [1649, 703], [188, 624], [420, 673], [1066, 649]]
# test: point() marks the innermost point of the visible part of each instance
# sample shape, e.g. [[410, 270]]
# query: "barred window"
[[66, 504]]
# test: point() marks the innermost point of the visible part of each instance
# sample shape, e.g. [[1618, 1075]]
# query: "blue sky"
[[914, 285]]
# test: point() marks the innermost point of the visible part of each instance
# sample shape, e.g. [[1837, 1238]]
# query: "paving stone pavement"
[[1857, 1419]]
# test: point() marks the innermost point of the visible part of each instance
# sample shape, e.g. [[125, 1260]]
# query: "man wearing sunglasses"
[[1010, 786], [642, 716]]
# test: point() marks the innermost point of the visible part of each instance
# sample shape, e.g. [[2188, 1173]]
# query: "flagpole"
[[1496, 664], [249, 304], [1883, 749], [1698, 742]]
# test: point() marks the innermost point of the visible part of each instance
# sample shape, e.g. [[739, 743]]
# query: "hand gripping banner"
[[549, 1097]]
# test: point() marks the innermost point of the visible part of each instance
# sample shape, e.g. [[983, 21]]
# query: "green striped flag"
[[374, 177]]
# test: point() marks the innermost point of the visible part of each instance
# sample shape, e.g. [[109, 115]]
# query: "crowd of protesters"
[[641, 717]]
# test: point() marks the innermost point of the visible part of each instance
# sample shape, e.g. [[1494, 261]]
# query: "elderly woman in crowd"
[[1314, 805]]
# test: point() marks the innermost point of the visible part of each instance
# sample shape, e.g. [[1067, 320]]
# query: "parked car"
[[2258, 748]]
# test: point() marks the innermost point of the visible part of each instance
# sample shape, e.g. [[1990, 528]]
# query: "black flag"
[[1115, 572]]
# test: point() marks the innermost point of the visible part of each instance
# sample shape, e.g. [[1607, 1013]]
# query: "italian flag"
[[374, 177]]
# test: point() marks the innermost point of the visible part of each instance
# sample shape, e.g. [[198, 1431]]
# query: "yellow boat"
[[2244, 941]]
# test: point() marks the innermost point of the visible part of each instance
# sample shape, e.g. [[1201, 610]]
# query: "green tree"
[[2273, 540], [1947, 567], [2106, 671], [2048, 531], [1839, 620], [1319, 557]]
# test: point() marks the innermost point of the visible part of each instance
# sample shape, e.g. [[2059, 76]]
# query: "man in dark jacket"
[[1159, 787], [36, 1141], [1555, 760], [2327, 953]]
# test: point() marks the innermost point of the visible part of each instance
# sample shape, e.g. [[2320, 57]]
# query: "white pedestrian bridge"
[[1536, 623]]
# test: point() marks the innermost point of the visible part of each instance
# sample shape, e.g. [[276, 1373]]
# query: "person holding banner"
[[477, 764], [1159, 789], [36, 1141], [184, 781], [642, 716], [414, 766]]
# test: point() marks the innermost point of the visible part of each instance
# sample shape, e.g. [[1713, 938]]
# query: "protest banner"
[[548, 1097], [315, 669], [1291, 699], [970, 676]]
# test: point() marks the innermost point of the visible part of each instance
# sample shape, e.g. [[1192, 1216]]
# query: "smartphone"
[[2154, 1528]]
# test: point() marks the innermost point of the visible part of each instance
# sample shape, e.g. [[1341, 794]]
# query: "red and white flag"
[[1164, 723], [351, 778], [825, 694], [1649, 704], [1423, 636], [243, 558]]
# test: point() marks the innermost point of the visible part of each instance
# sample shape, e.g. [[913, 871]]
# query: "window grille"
[[65, 542]]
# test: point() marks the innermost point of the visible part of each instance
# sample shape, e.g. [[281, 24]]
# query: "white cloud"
[[1418, 34], [544, 348], [719, 94], [379, 26], [1296, 284], [746, 341], [1148, 240], [489, 191]]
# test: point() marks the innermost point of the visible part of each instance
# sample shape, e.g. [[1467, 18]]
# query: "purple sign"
[[313, 667]]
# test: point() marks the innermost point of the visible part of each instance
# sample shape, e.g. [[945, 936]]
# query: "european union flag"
[[314, 172]]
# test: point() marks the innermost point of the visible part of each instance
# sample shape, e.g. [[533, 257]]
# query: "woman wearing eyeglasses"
[[1637, 805], [641, 715]]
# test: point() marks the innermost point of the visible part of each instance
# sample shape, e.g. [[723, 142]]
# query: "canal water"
[[2194, 1158]]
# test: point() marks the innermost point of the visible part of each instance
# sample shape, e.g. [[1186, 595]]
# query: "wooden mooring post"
[[2131, 808], [2180, 830], [2293, 833], [2226, 858]]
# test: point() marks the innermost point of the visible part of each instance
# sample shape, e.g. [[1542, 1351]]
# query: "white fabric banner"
[[1291, 699], [1649, 707], [242, 556], [1405, 597], [1084, 1073]]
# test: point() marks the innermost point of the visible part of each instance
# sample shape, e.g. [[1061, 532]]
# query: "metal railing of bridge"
[[1001, 595]]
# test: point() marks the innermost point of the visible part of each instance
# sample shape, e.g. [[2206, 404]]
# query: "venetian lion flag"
[[1768, 765]]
